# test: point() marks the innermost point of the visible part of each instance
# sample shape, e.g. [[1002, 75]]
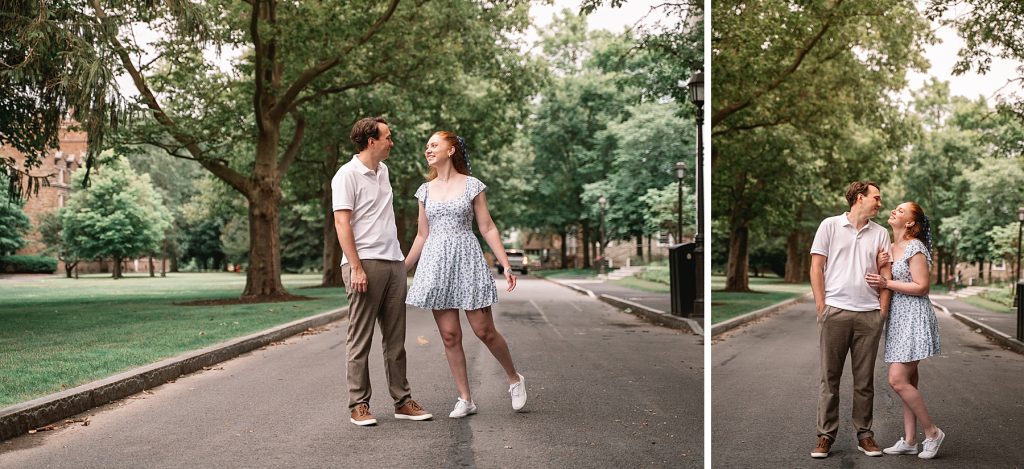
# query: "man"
[[373, 269], [850, 312]]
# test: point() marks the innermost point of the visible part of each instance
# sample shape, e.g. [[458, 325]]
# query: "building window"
[[663, 238], [60, 200], [60, 175]]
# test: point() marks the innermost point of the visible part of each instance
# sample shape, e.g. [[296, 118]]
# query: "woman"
[[453, 274], [912, 331]]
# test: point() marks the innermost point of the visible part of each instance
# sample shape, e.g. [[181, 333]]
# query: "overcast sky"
[[942, 57], [605, 17]]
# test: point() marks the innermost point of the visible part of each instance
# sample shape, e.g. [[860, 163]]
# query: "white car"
[[517, 262]]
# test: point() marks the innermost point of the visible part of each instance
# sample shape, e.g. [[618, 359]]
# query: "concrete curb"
[[1001, 338], [650, 314], [20, 418], [737, 321], [656, 316]]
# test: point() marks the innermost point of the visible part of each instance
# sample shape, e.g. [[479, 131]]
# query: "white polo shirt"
[[368, 194], [849, 255]]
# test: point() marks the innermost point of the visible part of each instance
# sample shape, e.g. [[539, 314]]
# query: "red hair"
[[458, 158]]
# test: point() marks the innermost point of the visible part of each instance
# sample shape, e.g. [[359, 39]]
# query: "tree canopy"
[[118, 216]]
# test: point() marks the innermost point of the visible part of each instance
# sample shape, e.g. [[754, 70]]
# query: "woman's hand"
[[510, 279], [876, 281]]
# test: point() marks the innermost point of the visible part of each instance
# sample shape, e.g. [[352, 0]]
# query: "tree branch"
[[293, 147], [258, 47], [338, 89], [738, 128], [300, 83], [731, 108], [219, 169]]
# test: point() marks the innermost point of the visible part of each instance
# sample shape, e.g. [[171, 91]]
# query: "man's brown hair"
[[365, 129], [858, 188]]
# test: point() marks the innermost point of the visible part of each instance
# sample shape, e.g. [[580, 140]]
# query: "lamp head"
[[696, 85]]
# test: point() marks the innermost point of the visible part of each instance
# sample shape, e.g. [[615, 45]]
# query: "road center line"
[[545, 317]]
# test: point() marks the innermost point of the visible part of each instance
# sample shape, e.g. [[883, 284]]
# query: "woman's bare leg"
[[451, 336], [482, 322], [903, 378]]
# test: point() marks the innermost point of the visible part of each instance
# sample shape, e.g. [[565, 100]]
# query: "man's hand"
[[819, 307], [359, 282]]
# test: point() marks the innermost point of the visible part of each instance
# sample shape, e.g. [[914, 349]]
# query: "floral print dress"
[[912, 330], [452, 272]]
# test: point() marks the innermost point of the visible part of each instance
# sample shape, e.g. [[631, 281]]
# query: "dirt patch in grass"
[[245, 301]]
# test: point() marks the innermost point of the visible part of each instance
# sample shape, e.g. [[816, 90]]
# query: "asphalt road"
[[765, 386], [605, 390]]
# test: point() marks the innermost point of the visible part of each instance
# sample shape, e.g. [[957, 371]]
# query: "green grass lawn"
[[766, 292], [643, 285], [59, 333], [565, 273], [997, 299]]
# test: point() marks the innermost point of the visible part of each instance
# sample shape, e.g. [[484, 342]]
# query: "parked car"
[[517, 261]]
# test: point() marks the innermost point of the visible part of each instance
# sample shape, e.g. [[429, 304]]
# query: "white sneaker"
[[901, 447], [462, 409], [931, 446], [518, 393]]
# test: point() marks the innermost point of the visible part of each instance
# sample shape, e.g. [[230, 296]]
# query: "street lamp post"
[[601, 203], [1016, 279], [680, 173], [696, 85]]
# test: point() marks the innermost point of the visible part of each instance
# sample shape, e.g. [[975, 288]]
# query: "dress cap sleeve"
[[474, 186]]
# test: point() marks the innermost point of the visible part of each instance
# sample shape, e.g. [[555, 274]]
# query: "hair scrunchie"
[[465, 153], [926, 232]]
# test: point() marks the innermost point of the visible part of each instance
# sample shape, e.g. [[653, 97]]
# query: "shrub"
[[655, 274], [28, 264]]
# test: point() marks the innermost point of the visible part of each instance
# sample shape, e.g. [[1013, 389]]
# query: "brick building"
[[58, 165]]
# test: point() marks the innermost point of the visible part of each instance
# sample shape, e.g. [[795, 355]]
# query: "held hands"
[[510, 279]]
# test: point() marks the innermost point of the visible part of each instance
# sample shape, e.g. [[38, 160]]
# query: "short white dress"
[[912, 330], [452, 272]]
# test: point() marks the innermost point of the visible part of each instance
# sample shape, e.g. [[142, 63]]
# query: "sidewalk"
[[655, 307], [1003, 326]]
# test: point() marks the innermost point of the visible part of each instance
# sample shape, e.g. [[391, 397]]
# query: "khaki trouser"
[[384, 301], [858, 332]]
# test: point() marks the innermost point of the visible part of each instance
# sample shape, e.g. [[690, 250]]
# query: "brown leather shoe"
[[823, 448], [868, 446], [412, 410], [361, 416]]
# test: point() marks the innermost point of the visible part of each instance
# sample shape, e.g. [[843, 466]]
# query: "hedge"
[[28, 264]]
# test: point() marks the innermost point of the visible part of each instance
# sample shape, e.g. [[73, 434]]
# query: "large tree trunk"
[[565, 248], [332, 249], [798, 258], [117, 268], [152, 268], [586, 245], [650, 249], [640, 247], [737, 273], [263, 277]]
